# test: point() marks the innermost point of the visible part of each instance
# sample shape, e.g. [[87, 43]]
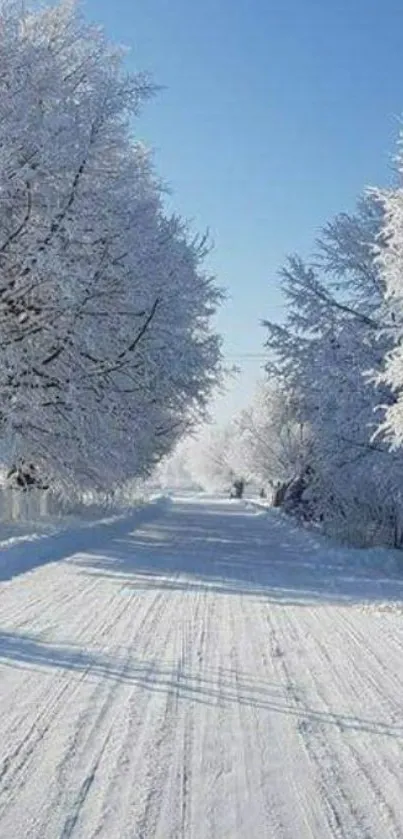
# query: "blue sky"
[[274, 115]]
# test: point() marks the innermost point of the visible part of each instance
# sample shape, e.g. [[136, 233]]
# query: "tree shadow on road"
[[219, 688], [233, 551]]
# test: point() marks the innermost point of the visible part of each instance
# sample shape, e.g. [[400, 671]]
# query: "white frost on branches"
[[333, 337], [107, 352], [390, 266]]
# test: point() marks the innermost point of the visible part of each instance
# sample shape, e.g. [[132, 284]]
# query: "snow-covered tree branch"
[[105, 308], [334, 335]]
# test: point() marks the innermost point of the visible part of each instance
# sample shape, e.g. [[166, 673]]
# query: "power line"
[[245, 355]]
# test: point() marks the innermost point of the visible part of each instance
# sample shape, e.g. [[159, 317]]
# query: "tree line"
[[108, 355], [324, 433]]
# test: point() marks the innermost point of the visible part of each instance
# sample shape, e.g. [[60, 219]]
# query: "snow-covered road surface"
[[212, 674]]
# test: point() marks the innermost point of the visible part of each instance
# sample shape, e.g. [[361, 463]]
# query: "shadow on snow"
[[228, 550], [221, 688]]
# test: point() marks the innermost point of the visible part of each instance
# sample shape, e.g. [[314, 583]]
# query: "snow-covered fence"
[[28, 506], [35, 504]]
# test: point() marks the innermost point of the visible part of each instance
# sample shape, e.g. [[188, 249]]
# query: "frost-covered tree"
[[333, 336], [265, 445], [390, 266], [274, 445], [213, 457], [108, 355]]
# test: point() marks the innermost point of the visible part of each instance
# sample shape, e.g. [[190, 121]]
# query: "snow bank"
[[23, 551], [390, 560]]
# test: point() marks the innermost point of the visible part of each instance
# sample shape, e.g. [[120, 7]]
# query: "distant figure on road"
[[237, 489]]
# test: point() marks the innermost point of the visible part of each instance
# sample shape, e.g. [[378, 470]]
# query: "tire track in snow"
[[360, 755], [166, 810], [17, 763], [73, 817], [270, 649], [154, 753], [331, 756], [275, 737], [136, 708], [330, 779], [43, 637], [107, 700], [251, 775]]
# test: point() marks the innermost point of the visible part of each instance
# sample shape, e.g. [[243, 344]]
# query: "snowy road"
[[215, 674]]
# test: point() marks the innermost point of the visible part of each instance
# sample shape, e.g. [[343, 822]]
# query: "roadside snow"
[[56, 538], [389, 560]]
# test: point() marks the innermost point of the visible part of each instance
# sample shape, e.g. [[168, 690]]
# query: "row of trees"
[[107, 352], [325, 431]]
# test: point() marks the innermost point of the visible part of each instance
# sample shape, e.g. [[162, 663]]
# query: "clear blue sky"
[[275, 114]]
